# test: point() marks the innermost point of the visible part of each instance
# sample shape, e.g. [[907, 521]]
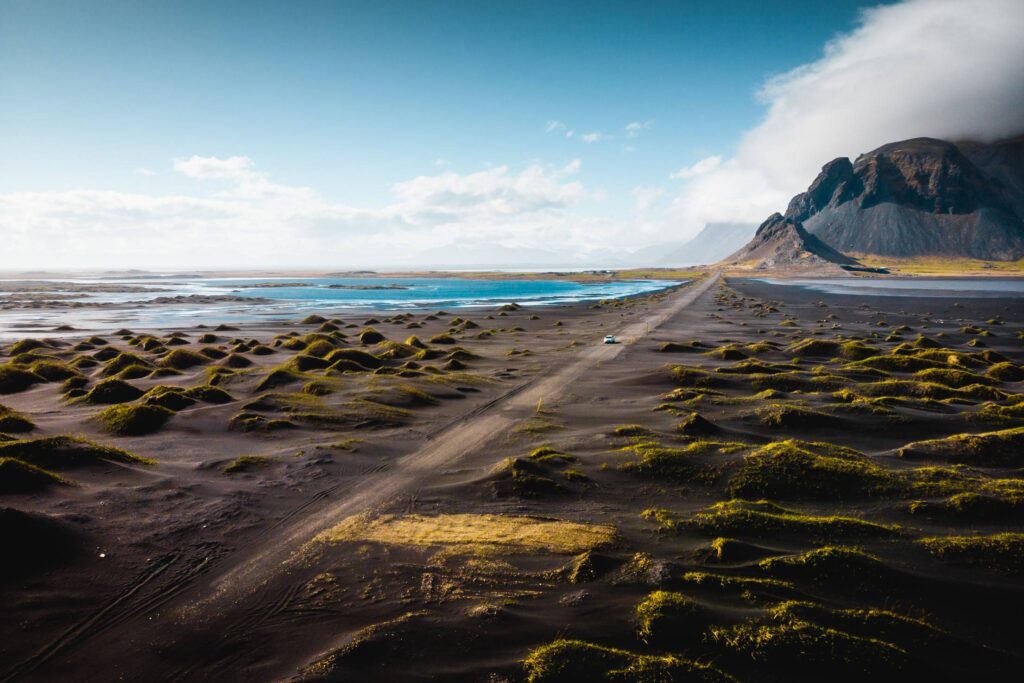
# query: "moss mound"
[[972, 507], [26, 345], [1002, 552], [696, 425], [134, 420], [279, 377], [171, 398], [797, 650], [1004, 448], [65, 452], [236, 360], [799, 470], [183, 359], [677, 464], [245, 463], [686, 347], [249, 422], [364, 360], [18, 477], [12, 422], [442, 339], [814, 347], [898, 363], [14, 379], [370, 336], [304, 363], [727, 352], [122, 361], [111, 391], [670, 618], [209, 394], [785, 416], [764, 518], [952, 378], [53, 371], [840, 568], [1006, 372], [570, 661]]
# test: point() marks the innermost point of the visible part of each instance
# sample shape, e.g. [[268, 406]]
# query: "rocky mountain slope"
[[782, 244], [920, 197]]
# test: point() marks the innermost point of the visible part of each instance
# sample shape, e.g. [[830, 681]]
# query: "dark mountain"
[[921, 197], [782, 243]]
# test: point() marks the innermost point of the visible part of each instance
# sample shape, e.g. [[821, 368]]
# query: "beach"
[[494, 493]]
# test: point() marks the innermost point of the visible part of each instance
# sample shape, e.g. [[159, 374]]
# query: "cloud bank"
[[935, 68], [247, 219]]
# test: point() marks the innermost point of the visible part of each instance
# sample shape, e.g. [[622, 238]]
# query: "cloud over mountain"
[[948, 69]]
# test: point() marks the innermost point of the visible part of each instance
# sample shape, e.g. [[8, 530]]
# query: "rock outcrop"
[[920, 197], [782, 244]]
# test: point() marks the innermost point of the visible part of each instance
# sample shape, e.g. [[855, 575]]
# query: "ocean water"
[[979, 287], [281, 298]]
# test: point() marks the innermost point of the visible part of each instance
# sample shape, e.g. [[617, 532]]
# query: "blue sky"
[[350, 97], [347, 99]]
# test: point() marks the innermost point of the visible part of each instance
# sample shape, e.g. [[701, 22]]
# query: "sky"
[[142, 134]]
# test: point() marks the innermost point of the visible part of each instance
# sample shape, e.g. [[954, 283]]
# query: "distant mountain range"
[[710, 245], [918, 197]]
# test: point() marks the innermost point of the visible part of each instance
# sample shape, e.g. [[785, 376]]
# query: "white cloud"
[[938, 68], [596, 136], [207, 168], [705, 165], [555, 127], [439, 162], [645, 197], [145, 172], [634, 128], [253, 221]]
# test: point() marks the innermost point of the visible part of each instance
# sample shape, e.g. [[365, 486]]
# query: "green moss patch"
[[678, 464], [800, 470], [134, 420], [786, 416], [12, 422], [1002, 552], [763, 518], [19, 477], [570, 661], [669, 618], [14, 379], [111, 391], [1004, 448], [245, 463], [66, 452]]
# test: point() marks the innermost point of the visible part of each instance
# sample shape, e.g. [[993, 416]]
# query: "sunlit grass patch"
[[245, 463], [1003, 552], [1000, 448], [567, 661], [63, 452], [801, 470], [764, 518], [473, 533], [134, 420]]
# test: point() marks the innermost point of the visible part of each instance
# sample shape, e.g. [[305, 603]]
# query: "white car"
[[609, 339]]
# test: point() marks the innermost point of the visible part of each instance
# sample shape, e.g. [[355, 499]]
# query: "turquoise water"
[[917, 287], [88, 310]]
